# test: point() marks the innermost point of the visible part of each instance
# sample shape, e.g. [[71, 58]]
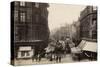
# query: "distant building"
[[62, 33], [88, 23], [65, 31], [75, 32], [31, 30]]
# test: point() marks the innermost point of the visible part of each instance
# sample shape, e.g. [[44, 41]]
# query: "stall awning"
[[75, 50], [85, 45], [90, 46], [81, 45]]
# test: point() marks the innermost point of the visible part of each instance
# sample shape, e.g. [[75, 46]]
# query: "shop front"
[[90, 50], [27, 50], [85, 50]]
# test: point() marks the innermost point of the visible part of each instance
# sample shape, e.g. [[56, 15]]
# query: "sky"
[[61, 14]]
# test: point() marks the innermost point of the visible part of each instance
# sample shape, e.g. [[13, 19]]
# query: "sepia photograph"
[[50, 33]]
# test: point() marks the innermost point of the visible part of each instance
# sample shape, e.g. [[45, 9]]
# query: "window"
[[16, 38], [36, 5], [94, 34], [22, 17], [94, 8], [93, 22], [37, 18], [15, 15], [16, 30], [25, 53], [16, 3], [22, 3]]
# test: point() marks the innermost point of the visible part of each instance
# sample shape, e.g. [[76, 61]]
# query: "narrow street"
[[66, 59]]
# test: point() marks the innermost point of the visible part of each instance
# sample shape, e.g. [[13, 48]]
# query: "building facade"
[[88, 23], [30, 26]]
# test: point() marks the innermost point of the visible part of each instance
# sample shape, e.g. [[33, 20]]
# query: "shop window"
[[25, 53], [22, 53]]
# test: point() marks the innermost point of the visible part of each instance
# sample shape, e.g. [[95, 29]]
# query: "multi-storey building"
[[88, 23], [29, 23], [88, 32]]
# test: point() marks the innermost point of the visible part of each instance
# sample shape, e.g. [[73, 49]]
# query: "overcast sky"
[[60, 14]]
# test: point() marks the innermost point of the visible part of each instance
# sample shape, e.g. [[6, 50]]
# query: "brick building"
[[29, 28]]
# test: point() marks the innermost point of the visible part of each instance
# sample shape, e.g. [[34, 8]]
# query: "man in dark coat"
[[58, 51]]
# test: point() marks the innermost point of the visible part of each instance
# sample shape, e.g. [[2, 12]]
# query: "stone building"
[[88, 32], [29, 29], [88, 23]]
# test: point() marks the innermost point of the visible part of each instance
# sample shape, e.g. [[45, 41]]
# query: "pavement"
[[66, 59]]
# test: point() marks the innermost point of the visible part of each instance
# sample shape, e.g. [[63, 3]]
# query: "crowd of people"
[[55, 51]]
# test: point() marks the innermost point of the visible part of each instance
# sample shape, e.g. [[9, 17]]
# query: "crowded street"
[[48, 36], [66, 59]]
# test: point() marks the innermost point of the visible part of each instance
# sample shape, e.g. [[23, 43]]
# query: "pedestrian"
[[36, 57], [33, 58], [39, 56], [58, 51]]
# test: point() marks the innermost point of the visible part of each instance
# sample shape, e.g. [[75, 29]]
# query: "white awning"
[[81, 45], [24, 48], [90, 46], [71, 45], [75, 50]]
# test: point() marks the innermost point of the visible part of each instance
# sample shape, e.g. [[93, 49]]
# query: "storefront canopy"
[[90, 46], [75, 50], [81, 45]]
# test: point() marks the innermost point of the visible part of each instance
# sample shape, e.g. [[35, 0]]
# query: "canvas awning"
[[90, 46], [85, 45], [71, 45], [75, 50], [81, 45]]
